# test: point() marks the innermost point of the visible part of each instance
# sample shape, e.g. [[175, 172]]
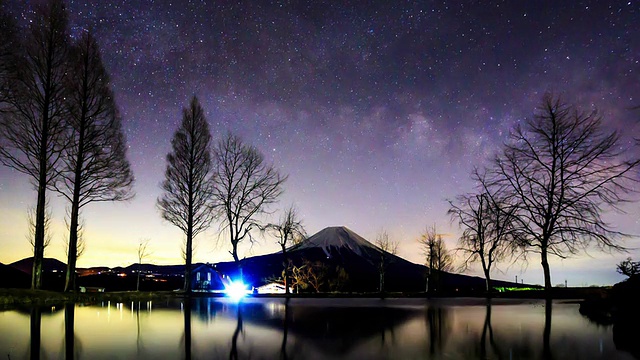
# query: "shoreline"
[[12, 298]]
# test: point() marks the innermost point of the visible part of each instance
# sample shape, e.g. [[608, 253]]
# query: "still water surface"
[[216, 328]]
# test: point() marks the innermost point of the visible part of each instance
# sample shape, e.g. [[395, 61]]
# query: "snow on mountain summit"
[[337, 237]]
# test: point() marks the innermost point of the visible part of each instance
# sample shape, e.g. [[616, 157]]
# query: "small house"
[[206, 278], [272, 288]]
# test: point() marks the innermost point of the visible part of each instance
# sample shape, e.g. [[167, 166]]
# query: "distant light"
[[236, 289]]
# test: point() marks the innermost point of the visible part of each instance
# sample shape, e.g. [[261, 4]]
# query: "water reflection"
[[36, 319], [69, 333], [187, 329], [285, 330], [546, 337], [438, 327], [236, 332], [487, 330], [307, 328]]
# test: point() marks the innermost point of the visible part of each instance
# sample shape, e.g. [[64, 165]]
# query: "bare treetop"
[[389, 249], [95, 154], [34, 127], [245, 187], [562, 169], [289, 231], [188, 185], [487, 230]]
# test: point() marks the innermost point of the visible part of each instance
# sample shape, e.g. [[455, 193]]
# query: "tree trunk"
[[286, 270], [428, 277], [72, 254], [234, 253], [381, 281], [547, 272], [188, 258], [487, 276], [38, 242], [72, 251]]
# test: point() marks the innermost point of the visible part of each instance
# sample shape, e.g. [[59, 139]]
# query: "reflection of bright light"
[[236, 290]]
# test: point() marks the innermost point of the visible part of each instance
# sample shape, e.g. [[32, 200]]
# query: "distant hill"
[[334, 247], [48, 264], [11, 277], [339, 246]]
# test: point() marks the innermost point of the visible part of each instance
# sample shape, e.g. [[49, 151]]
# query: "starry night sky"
[[378, 111]]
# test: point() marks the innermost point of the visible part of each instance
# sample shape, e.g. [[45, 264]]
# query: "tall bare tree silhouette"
[[188, 187], [94, 162], [561, 169], [34, 125]]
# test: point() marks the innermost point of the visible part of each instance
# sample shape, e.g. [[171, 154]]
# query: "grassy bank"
[[16, 297]]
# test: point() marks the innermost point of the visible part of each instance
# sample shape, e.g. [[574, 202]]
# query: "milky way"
[[378, 111]]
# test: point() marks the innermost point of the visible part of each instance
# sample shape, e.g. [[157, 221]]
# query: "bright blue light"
[[236, 290]]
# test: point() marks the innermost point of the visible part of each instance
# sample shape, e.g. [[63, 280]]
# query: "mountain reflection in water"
[[307, 329]]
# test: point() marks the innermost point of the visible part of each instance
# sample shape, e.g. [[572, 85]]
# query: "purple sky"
[[377, 112]]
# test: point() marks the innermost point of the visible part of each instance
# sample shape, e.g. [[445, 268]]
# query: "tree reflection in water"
[[316, 328], [186, 311], [234, 339], [487, 329], [136, 307], [69, 333], [437, 320], [546, 345], [35, 319], [285, 330]]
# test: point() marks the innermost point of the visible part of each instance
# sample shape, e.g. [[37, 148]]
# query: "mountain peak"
[[337, 237]]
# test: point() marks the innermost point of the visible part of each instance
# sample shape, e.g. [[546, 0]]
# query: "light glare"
[[236, 290]]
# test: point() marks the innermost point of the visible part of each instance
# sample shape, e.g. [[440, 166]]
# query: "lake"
[[269, 328]]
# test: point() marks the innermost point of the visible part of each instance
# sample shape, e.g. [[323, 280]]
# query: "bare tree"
[[143, 252], [33, 128], [289, 231], [388, 250], [438, 259], [298, 277], [94, 163], [310, 274], [628, 267], [188, 187], [561, 169], [487, 235], [245, 187]]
